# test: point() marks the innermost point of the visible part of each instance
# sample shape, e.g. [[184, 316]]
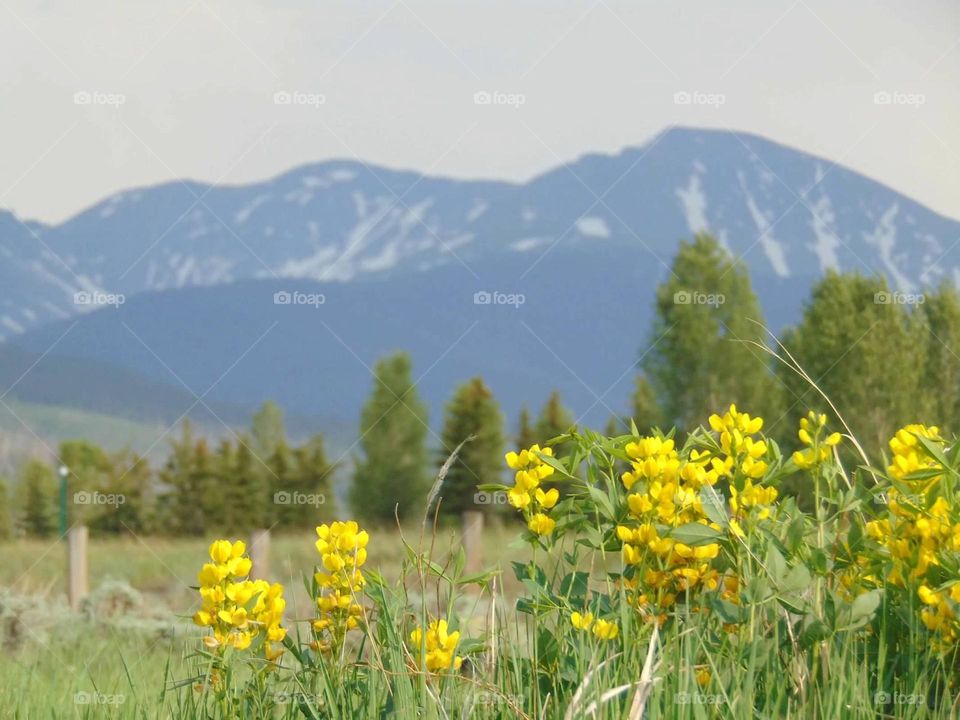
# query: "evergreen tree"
[[700, 360], [526, 436], [393, 429], [124, 490], [183, 500], [473, 411], [939, 318], [37, 499], [283, 472], [251, 494], [316, 481], [554, 420], [6, 518], [268, 430], [646, 409], [862, 352], [87, 464]]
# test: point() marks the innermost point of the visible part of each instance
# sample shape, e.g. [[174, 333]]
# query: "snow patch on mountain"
[[694, 204], [823, 222], [244, 213], [883, 237], [773, 248]]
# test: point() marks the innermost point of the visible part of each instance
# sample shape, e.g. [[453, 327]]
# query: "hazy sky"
[[183, 88]]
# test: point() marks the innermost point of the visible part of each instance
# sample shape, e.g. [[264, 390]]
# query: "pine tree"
[[250, 488], [316, 482], [88, 465], [268, 430], [283, 473], [393, 427], [472, 411], [646, 409], [700, 359], [125, 488], [37, 499], [6, 517], [183, 501], [862, 352], [526, 436], [554, 420]]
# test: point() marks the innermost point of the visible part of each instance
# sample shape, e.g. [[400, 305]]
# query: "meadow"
[[652, 576]]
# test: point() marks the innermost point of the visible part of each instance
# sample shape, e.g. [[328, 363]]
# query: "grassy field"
[[667, 583], [113, 659]]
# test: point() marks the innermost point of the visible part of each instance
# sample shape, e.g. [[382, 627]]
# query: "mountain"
[[192, 269]]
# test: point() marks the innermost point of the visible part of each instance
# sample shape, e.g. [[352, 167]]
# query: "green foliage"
[[6, 517], [268, 429], [646, 410], [939, 318], [525, 433], [393, 430], [37, 499], [473, 411], [699, 357], [862, 353]]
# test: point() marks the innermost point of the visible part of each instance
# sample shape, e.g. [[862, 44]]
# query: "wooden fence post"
[[260, 554], [473, 541], [77, 586]]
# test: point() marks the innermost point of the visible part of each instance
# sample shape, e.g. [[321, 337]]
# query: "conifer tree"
[[472, 411], [700, 359], [526, 436], [6, 517], [37, 499], [393, 427], [646, 410], [554, 420]]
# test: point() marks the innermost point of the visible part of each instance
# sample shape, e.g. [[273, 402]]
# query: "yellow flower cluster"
[[665, 493], [743, 451], [602, 629], [817, 450], [919, 530], [526, 494], [438, 647], [909, 455], [343, 551], [237, 609]]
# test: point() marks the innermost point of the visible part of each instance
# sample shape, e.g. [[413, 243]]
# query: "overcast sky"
[[103, 95]]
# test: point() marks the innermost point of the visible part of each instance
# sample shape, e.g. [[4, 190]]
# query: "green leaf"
[[713, 505], [776, 565], [602, 501], [864, 606], [694, 534]]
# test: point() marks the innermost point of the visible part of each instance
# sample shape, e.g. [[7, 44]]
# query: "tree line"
[[884, 359]]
